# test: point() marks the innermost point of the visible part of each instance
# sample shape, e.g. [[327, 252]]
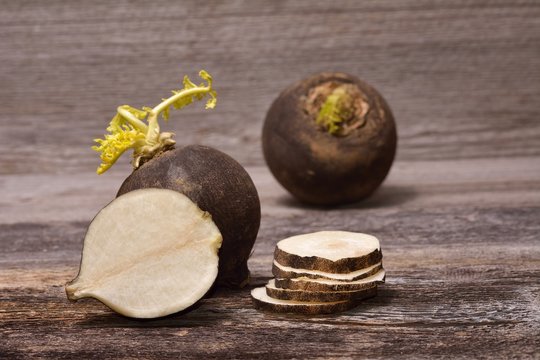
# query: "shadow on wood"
[[189, 318], [385, 196]]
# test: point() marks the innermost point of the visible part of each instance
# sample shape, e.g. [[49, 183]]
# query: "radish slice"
[[337, 252], [308, 284], [265, 302], [318, 296]]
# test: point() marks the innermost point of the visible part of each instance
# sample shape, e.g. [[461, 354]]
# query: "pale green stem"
[[184, 93], [152, 136], [132, 120]]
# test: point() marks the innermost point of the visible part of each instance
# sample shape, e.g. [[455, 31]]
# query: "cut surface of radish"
[[149, 253], [308, 284], [281, 271], [263, 301], [329, 251], [318, 296]]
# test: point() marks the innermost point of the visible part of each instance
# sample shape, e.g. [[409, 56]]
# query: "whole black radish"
[[329, 139]]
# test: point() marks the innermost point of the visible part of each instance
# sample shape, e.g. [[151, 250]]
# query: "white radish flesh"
[[147, 254], [329, 251], [331, 245]]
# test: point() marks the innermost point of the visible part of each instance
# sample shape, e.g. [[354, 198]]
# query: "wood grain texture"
[[460, 76], [463, 281], [458, 217]]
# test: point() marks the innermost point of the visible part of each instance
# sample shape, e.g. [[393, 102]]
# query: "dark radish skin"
[[217, 184], [316, 296], [342, 266], [330, 285], [323, 164]]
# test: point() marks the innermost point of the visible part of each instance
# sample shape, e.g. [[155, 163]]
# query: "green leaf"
[[188, 84], [121, 137], [211, 103], [127, 128]]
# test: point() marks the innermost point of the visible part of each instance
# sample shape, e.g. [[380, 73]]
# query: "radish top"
[[338, 108], [138, 129]]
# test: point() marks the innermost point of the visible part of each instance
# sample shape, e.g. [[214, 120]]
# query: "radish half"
[[147, 254]]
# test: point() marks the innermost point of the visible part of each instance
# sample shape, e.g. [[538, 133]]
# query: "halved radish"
[[308, 284], [149, 253], [339, 252], [211, 179], [318, 296], [281, 271]]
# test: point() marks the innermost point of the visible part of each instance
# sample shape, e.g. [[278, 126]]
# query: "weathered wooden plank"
[[505, 182], [227, 326], [435, 317], [459, 233], [453, 273]]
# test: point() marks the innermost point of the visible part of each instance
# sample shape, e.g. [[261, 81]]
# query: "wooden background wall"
[[462, 77]]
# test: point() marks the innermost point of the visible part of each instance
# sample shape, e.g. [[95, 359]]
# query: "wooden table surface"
[[458, 217]]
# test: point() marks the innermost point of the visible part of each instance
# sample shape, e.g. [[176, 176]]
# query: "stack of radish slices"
[[322, 273]]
